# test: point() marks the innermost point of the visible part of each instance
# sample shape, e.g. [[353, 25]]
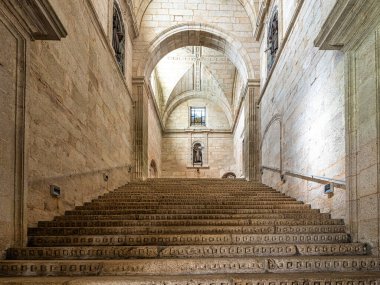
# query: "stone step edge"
[[353, 278], [188, 251], [186, 239], [187, 229], [192, 266], [174, 223], [220, 210], [173, 217]]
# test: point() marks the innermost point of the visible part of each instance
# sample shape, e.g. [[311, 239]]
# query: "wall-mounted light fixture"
[[55, 191], [329, 188]]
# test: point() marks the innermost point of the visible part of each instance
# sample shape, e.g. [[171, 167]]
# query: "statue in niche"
[[197, 154], [272, 40]]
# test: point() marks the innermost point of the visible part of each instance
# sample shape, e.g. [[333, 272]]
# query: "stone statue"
[[197, 153]]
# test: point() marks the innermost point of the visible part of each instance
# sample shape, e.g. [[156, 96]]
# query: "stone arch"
[[221, 102], [193, 34], [229, 175], [197, 159]]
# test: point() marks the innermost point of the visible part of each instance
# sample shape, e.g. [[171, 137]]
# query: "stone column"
[[251, 137], [141, 94]]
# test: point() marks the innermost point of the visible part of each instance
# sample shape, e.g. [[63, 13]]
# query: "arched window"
[[272, 40], [118, 36]]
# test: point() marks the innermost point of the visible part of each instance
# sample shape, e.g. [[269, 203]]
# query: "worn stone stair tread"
[[192, 212], [194, 266], [182, 231], [264, 203], [194, 217], [185, 239], [187, 230], [165, 223], [188, 251], [352, 278], [195, 208]]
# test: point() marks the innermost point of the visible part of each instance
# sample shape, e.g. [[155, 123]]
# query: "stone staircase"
[[188, 231]]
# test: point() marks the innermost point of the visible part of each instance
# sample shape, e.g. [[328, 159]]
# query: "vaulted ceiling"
[[195, 72]]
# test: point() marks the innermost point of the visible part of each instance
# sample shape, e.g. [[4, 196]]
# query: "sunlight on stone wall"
[[307, 91], [80, 115], [238, 145]]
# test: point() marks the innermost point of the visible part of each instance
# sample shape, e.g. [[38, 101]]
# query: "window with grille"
[[197, 116], [118, 37]]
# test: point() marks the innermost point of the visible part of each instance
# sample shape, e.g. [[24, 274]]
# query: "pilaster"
[[252, 117], [141, 95]]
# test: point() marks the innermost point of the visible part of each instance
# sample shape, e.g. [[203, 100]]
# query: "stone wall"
[[154, 139], [80, 115], [305, 95], [12, 78], [215, 116], [218, 155], [363, 136], [239, 136], [104, 12]]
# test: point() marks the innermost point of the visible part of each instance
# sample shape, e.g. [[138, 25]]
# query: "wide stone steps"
[[168, 223], [186, 239], [82, 216], [193, 232], [96, 205], [186, 230], [188, 251], [178, 266], [110, 211], [195, 200]]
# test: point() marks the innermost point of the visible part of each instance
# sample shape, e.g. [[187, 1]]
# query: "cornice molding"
[[38, 19], [348, 23]]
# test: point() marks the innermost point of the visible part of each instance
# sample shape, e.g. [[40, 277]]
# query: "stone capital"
[[348, 23]]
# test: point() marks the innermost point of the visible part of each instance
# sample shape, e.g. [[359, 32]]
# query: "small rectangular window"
[[197, 116]]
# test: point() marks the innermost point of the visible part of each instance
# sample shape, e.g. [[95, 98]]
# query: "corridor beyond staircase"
[[191, 231]]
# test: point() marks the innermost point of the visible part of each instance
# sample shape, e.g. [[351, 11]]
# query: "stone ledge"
[[186, 239], [190, 266], [367, 278], [168, 223], [63, 231], [189, 251]]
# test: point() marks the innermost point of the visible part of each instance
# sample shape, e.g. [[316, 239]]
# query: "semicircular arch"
[[193, 34]]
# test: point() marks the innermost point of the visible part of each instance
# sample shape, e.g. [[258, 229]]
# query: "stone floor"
[[188, 231]]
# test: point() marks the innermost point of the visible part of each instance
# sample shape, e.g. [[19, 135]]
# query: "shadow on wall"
[[153, 173]]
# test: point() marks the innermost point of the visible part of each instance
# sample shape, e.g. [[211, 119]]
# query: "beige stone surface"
[[154, 141], [305, 95], [8, 93], [177, 155], [80, 117]]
